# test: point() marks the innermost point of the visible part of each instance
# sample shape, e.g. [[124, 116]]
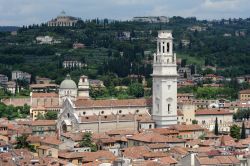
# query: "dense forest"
[[111, 57]]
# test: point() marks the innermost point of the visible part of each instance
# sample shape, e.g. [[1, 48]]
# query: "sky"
[[26, 12]]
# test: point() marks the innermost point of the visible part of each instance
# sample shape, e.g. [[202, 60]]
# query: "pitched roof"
[[193, 127], [217, 160], [165, 131], [87, 156], [40, 95], [227, 140], [155, 138], [246, 91], [135, 152], [121, 132], [213, 112], [52, 140], [43, 123], [86, 103]]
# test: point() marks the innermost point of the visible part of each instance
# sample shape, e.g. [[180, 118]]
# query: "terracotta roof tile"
[[135, 152], [213, 112], [111, 103], [43, 123], [165, 131], [193, 127], [40, 95], [246, 91], [155, 138], [51, 140]]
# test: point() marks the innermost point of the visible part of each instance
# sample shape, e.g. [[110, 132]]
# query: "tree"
[[194, 122], [136, 90], [235, 131], [243, 131], [51, 115], [40, 116], [216, 127], [183, 62], [185, 74], [22, 142], [87, 142]]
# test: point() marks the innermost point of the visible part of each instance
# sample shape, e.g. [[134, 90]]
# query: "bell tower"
[[164, 75]]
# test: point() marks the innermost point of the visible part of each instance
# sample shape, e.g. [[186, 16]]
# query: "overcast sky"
[[24, 12]]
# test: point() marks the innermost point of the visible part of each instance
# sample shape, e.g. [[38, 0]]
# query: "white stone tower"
[[164, 75], [83, 87]]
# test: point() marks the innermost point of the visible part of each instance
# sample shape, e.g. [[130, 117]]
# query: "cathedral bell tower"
[[164, 75]]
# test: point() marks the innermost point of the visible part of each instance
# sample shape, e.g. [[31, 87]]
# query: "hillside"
[[224, 43]]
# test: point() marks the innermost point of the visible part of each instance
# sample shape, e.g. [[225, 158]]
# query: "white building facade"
[[164, 82]]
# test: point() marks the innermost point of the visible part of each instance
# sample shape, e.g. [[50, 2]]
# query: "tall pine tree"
[[216, 127], [243, 131]]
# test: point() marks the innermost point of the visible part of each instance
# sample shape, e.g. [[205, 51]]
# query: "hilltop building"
[[20, 75], [3, 80], [152, 19], [73, 64], [63, 20], [164, 82]]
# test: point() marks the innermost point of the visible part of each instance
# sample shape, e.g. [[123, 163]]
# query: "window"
[[137, 111], [163, 49], [120, 111], [167, 47], [150, 126], [84, 113], [168, 108], [159, 47], [102, 112], [169, 86]]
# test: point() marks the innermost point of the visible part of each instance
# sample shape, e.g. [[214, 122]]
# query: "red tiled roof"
[[43, 123], [246, 91], [37, 95], [112, 103], [193, 127], [213, 112], [218, 160], [155, 138], [43, 85], [52, 140], [135, 152], [165, 131]]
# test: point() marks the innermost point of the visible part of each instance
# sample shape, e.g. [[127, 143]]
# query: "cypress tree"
[[216, 127], [243, 131]]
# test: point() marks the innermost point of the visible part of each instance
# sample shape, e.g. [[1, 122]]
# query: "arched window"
[[168, 47]]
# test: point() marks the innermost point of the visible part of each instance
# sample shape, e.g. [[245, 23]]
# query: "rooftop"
[[213, 112]]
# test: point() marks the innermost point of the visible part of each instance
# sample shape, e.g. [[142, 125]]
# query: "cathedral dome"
[[68, 83]]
